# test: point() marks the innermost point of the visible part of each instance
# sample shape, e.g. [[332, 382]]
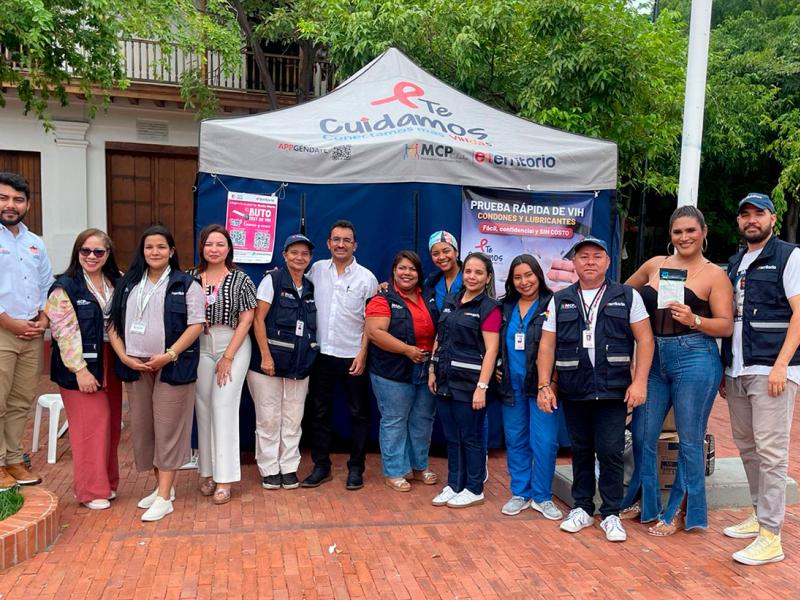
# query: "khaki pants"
[[20, 362], [761, 425]]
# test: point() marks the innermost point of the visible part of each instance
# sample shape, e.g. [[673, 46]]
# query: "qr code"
[[261, 240], [237, 236], [235, 222], [341, 152]]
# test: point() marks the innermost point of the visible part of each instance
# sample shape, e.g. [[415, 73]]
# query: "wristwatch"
[[173, 356], [697, 322], [483, 386]]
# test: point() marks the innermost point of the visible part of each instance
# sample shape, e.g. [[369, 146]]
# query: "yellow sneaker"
[[765, 549], [746, 529]]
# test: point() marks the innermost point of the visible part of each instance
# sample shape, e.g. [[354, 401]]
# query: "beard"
[[758, 236], [10, 221]]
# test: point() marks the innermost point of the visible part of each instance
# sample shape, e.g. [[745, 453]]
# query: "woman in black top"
[[685, 374]]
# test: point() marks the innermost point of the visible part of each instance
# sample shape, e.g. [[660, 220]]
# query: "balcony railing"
[[146, 61]]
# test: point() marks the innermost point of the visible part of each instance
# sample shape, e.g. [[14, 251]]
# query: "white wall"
[[73, 160]]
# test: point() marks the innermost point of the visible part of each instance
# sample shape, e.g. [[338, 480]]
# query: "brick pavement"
[[374, 543]]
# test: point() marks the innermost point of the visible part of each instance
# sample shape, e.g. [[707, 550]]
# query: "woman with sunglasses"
[[157, 314], [224, 358], [82, 362]]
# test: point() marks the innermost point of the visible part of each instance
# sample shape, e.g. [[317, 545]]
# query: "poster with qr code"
[[252, 220]]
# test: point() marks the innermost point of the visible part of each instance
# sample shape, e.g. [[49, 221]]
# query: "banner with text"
[[505, 224], [251, 220]]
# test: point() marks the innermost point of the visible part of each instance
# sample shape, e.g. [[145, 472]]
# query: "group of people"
[[609, 355]]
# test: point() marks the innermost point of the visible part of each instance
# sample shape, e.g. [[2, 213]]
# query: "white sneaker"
[[515, 506], [112, 495], [148, 500], [464, 499], [97, 504], [615, 532], [576, 520], [444, 496], [158, 510], [548, 509], [194, 461]]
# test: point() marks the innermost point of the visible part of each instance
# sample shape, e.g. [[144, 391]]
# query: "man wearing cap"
[[762, 372], [589, 336], [25, 278], [341, 290]]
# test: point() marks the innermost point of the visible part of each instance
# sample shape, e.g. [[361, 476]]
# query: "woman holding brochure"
[[690, 302]]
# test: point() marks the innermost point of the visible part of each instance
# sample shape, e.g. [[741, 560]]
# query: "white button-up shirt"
[[25, 273], [340, 301]]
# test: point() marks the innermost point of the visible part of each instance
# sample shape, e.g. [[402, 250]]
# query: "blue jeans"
[[531, 448], [686, 373], [407, 411], [463, 431]]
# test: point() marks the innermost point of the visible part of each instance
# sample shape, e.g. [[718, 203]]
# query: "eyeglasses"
[[98, 252], [341, 240]]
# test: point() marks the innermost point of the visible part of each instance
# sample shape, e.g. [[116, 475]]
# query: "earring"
[[669, 252], [705, 245]]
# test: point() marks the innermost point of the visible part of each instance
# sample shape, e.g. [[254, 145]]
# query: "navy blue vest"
[[460, 350], [533, 335], [92, 326], [766, 311], [429, 294], [391, 365], [610, 376], [183, 370], [293, 355]]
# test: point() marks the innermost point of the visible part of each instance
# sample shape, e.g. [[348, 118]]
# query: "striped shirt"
[[236, 294]]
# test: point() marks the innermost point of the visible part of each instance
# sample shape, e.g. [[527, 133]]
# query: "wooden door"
[[148, 187], [29, 165]]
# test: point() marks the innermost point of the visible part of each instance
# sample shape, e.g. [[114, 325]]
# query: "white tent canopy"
[[393, 122]]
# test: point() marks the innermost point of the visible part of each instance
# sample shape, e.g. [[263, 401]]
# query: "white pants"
[[217, 408], [279, 406]]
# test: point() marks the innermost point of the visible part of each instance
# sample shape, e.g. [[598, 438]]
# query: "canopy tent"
[[392, 149]]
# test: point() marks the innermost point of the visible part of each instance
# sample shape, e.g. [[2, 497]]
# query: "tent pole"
[[303, 213]]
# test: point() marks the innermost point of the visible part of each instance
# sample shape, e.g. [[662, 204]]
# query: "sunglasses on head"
[[98, 252]]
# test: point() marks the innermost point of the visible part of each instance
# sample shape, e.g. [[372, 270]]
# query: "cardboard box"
[[669, 422], [667, 458]]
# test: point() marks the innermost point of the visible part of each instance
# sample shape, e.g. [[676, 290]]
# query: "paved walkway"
[[374, 543]]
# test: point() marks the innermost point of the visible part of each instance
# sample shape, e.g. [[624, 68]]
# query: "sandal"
[[632, 512], [207, 487], [427, 476], [222, 496], [662, 529], [398, 484]]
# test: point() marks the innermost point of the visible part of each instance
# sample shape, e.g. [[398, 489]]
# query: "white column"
[[64, 190], [694, 102]]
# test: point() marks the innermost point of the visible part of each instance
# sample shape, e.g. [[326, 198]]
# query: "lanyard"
[[102, 299], [143, 299], [533, 308], [587, 311]]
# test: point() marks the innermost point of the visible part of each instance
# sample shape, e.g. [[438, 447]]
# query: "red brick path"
[[280, 544]]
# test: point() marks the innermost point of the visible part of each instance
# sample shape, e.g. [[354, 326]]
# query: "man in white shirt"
[[25, 278], [762, 374], [341, 290], [589, 335]]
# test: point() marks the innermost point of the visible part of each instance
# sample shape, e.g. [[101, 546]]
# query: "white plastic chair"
[[54, 404]]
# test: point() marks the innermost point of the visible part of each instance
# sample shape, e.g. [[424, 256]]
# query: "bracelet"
[[225, 356], [541, 386], [172, 354]]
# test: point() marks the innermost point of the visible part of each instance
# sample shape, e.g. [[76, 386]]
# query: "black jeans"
[[328, 371], [597, 427]]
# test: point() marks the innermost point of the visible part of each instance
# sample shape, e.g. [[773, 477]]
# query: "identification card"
[[211, 299], [588, 338], [138, 327], [671, 283], [519, 341], [299, 328]]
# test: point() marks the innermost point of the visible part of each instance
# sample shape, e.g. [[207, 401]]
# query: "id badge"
[[588, 338], [299, 328], [138, 327], [519, 341], [211, 299]]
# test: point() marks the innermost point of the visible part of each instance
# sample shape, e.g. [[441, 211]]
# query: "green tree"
[[49, 44]]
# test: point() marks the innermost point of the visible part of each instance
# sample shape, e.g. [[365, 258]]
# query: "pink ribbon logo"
[[403, 90]]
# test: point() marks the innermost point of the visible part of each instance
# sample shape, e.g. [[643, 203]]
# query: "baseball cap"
[[761, 201], [590, 240], [442, 236], [297, 238]]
